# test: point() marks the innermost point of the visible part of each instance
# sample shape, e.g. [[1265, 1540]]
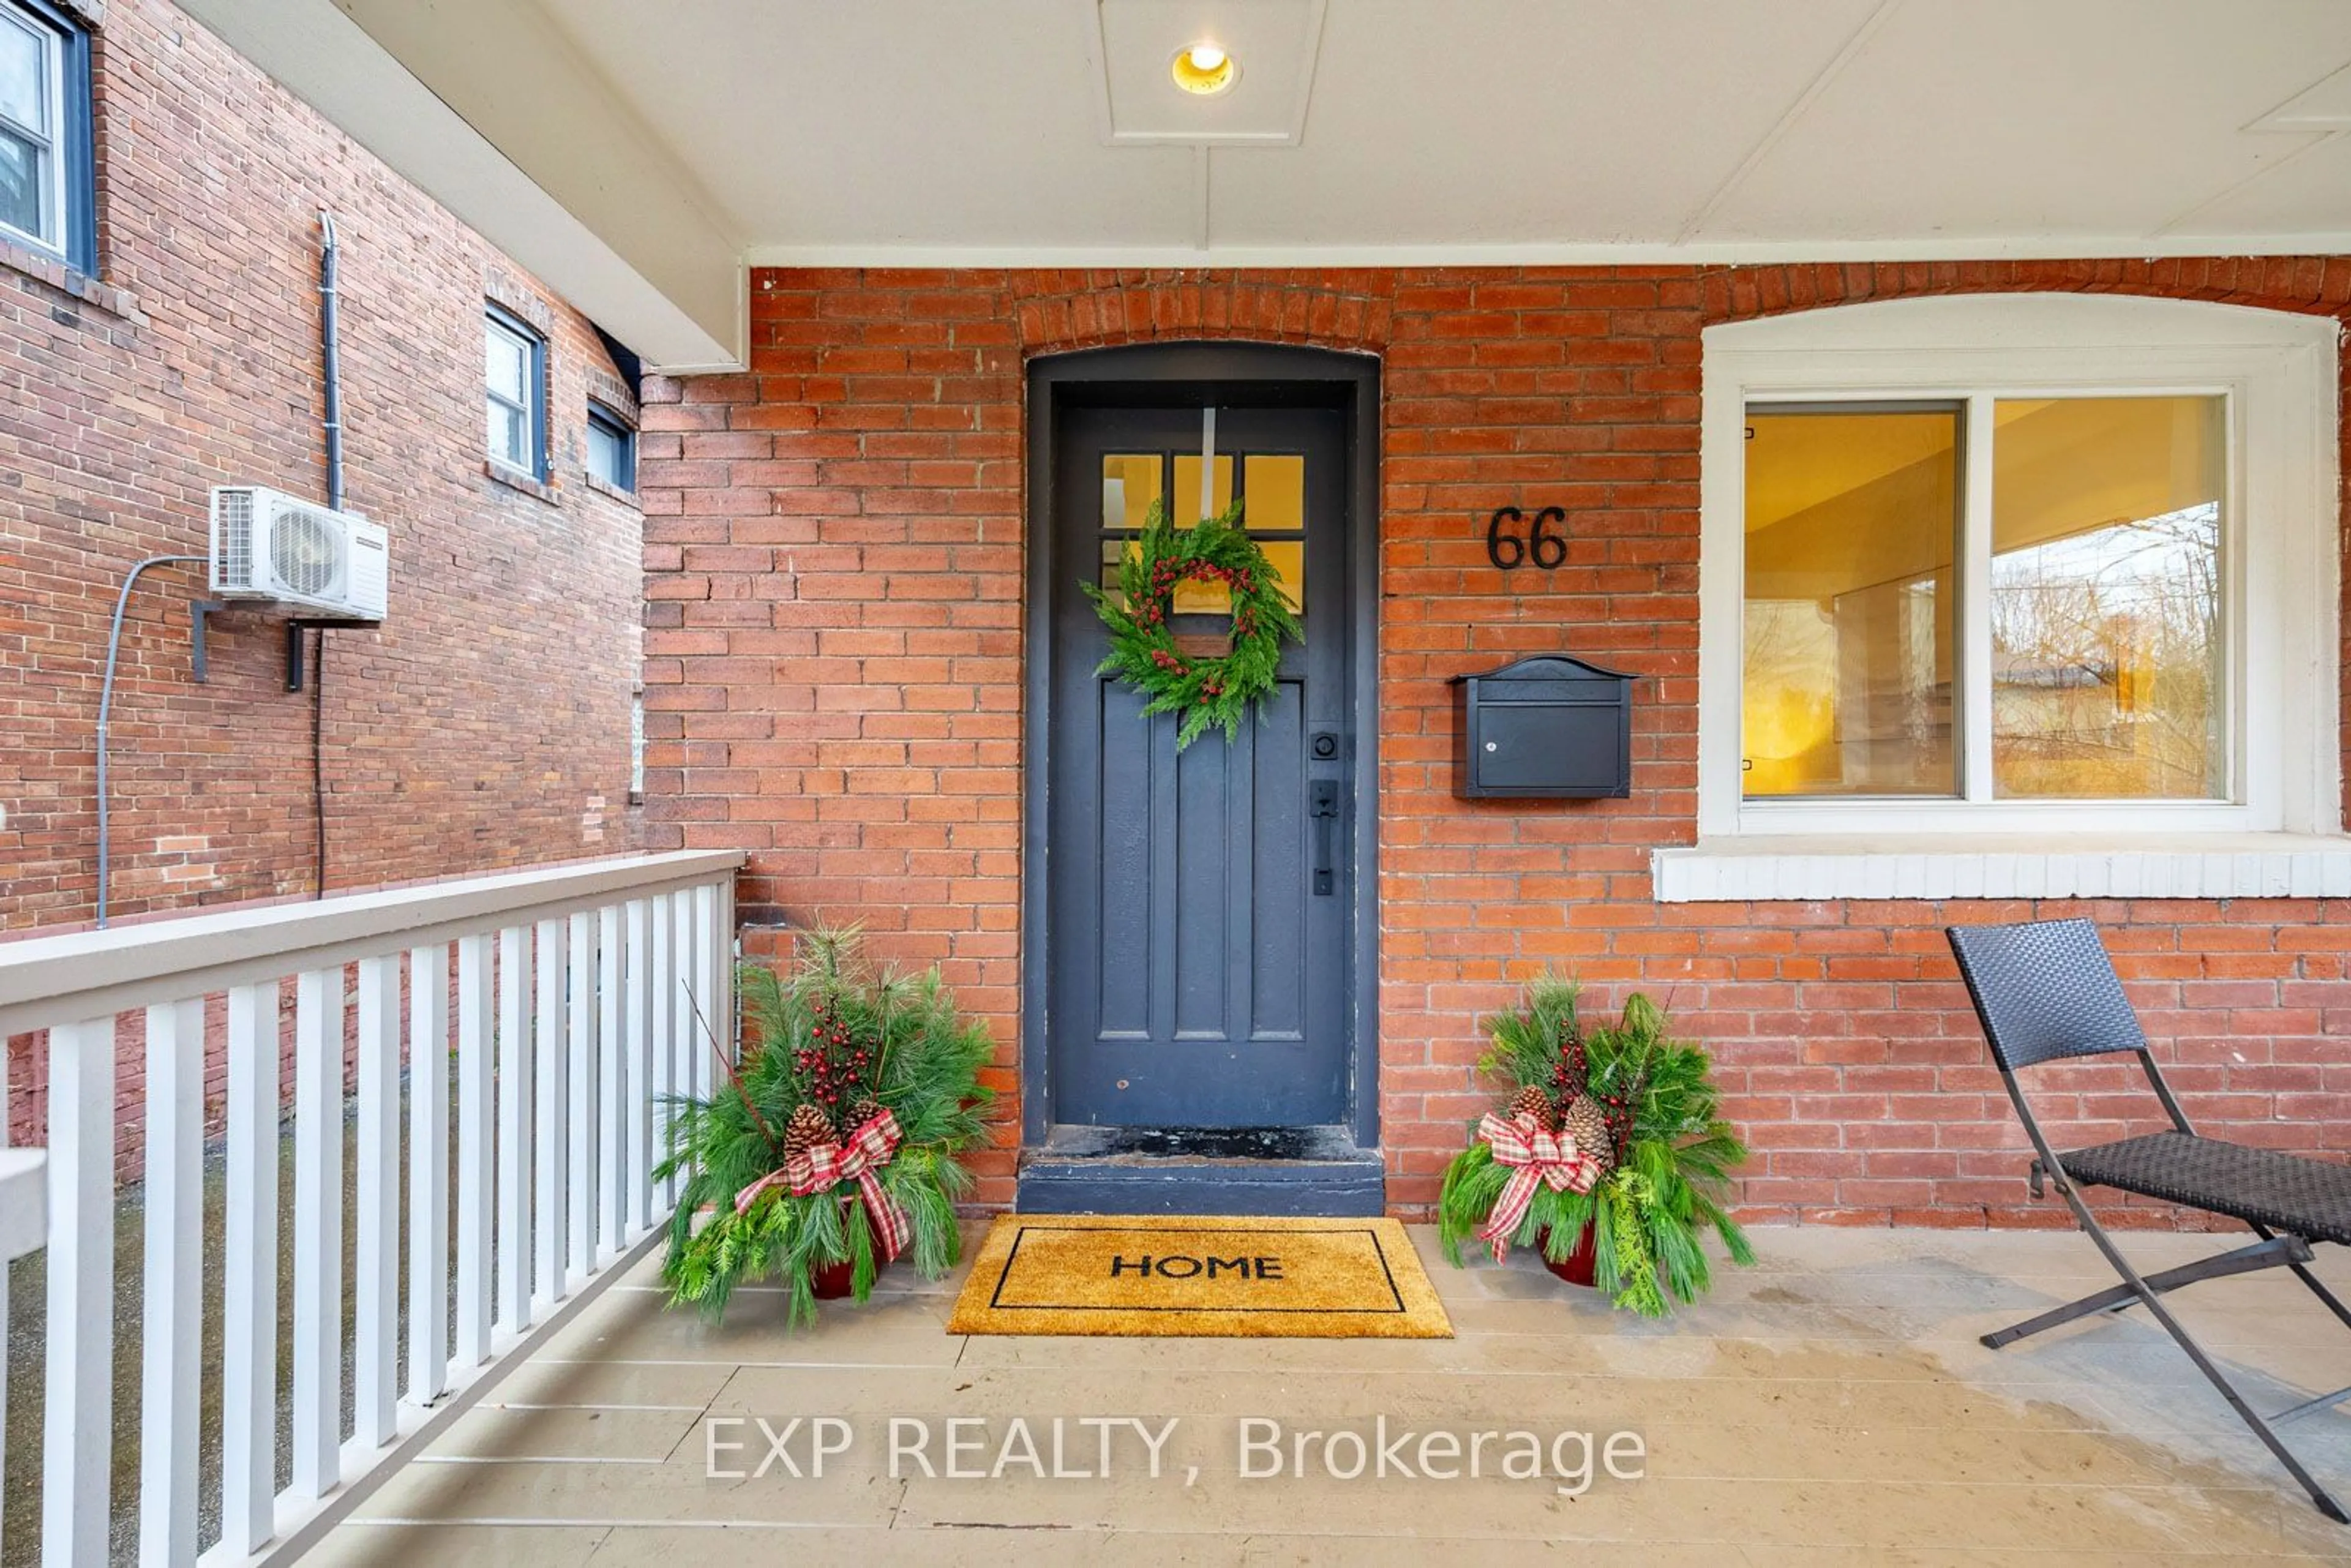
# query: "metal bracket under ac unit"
[[196, 613], [294, 630]]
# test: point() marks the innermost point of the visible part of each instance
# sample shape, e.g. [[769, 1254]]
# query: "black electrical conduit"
[[331, 365]]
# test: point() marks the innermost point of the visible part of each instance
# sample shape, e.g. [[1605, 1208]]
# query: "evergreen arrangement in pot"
[[1609, 1141], [830, 1148]]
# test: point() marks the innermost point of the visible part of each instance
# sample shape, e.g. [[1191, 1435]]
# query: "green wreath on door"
[[1209, 692]]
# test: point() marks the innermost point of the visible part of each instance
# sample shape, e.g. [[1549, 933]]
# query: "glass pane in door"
[[1130, 484], [1184, 503], [1275, 489]]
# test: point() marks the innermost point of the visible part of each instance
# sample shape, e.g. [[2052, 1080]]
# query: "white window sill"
[[2076, 865]]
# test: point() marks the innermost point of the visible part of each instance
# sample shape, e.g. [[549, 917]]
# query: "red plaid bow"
[[1539, 1157], [814, 1170]]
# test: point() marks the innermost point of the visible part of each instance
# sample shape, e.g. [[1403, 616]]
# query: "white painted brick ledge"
[[2220, 865]]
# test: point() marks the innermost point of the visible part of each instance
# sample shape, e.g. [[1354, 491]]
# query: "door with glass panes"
[[1201, 902]]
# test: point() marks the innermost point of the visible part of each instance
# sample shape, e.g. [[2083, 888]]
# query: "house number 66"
[[1507, 550]]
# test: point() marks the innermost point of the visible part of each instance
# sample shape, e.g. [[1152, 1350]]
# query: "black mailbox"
[[1546, 726]]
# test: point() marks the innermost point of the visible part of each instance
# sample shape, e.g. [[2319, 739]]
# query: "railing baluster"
[[514, 1128], [661, 1037], [171, 1314], [641, 1057], [318, 1231], [78, 1416], [580, 1194], [476, 1003], [549, 1128], [685, 999], [717, 991], [249, 1302], [612, 1168], [376, 1263], [428, 1172]]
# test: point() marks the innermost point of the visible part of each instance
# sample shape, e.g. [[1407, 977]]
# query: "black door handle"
[[1324, 807]]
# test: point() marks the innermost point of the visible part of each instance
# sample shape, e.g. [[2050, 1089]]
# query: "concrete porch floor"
[[1829, 1406]]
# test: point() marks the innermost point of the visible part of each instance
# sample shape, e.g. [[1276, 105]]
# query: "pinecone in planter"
[[1533, 1102], [864, 1111], [807, 1129], [1587, 1123]]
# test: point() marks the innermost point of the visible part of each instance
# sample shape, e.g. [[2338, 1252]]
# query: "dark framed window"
[[516, 383], [48, 188], [612, 448]]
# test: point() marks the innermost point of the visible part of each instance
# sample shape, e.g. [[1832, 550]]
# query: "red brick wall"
[[833, 666], [486, 723]]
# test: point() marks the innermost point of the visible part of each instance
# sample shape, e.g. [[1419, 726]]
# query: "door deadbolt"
[[1325, 746]]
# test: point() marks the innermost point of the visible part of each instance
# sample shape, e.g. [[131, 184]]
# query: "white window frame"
[[52, 136], [495, 318], [2277, 372]]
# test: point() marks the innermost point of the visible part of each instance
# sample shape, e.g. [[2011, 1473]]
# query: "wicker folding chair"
[[2045, 992]]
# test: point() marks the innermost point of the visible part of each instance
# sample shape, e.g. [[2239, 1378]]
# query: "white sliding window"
[[2013, 575]]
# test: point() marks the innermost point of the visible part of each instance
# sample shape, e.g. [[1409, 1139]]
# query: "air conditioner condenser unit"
[[267, 545]]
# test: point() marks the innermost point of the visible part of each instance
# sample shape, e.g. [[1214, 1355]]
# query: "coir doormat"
[[1176, 1275]]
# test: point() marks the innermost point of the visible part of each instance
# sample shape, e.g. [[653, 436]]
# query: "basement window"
[[2006, 595], [517, 378], [47, 190]]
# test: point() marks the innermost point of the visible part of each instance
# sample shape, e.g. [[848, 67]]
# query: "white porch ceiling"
[[696, 134]]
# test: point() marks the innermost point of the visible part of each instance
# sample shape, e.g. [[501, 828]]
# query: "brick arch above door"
[[1054, 311]]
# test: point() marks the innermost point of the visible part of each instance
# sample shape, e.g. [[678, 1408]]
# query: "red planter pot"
[[1578, 1270], [832, 1281]]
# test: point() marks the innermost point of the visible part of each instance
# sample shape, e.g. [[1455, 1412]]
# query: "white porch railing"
[[575, 999]]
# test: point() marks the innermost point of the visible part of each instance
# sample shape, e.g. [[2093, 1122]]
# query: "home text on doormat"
[[1179, 1275]]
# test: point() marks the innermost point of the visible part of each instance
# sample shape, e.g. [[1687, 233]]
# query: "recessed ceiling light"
[[1204, 68]]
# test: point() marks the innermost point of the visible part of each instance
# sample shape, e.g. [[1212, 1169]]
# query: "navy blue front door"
[[1201, 905]]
